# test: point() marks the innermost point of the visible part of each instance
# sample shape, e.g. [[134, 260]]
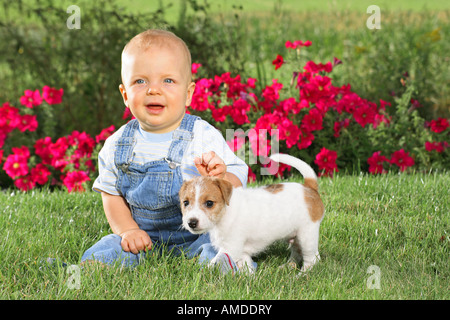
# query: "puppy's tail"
[[306, 171]]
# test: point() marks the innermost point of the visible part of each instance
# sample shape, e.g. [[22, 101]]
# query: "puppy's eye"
[[209, 203], [185, 203]]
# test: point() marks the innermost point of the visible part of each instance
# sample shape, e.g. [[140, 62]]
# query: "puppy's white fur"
[[243, 222]]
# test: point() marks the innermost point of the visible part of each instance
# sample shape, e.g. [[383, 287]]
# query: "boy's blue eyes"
[[142, 81]]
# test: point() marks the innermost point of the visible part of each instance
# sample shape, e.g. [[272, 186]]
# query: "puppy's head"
[[203, 202]]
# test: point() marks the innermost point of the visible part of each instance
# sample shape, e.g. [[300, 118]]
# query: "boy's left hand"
[[209, 164]]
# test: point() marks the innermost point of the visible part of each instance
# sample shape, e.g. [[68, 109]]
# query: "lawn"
[[384, 237]]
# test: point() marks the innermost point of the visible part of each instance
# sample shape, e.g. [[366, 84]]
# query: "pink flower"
[[364, 115], [306, 139], [402, 159], [316, 68], [438, 146], [326, 160], [338, 125], [336, 61], [289, 132], [25, 183], [439, 125], [9, 118], [52, 95], [239, 111], [291, 105], [58, 152], [40, 174], [376, 163], [105, 133], [297, 44], [42, 149], [194, 67], [27, 122], [127, 113], [383, 104], [31, 98], [74, 181], [16, 165], [278, 62], [251, 82], [23, 152], [312, 121]]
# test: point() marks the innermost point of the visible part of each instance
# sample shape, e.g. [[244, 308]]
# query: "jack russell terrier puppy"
[[243, 222]]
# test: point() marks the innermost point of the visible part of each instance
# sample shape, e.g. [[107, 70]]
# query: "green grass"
[[396, 222]]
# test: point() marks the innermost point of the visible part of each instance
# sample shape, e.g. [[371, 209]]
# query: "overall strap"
[[180, 139], [125, 145]]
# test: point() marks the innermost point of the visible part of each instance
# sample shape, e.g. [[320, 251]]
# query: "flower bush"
[[68, 161], [328, 126]]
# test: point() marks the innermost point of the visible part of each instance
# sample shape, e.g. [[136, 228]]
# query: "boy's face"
[[156, 86]]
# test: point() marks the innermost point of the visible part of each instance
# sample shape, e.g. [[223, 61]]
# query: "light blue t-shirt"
[[155, 146]]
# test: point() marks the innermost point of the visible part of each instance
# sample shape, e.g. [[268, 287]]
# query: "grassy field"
[[396, 225]]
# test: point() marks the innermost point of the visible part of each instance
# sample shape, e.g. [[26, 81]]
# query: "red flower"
[[376, 163], [438, 146], [364, 115], [297, 44], [104, 134], [402, 159], [194, 67], [439, 125], [289, 132], [40, 174], [278, 62], [16, 166], [306, 139], [23, 152], [326, 160], [42, 149], [312, 121], [31, 98], [338, 125], [239, 111], [291, 105], [27, 122], [52, 95], [312, 67], [9, 118], [74, 181], [383, 104], [336, 61], [25, 183]]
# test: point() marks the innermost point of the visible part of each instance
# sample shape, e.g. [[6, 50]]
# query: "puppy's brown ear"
[[226, 188]]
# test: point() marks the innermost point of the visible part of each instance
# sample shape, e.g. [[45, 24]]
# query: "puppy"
[[243, 222]]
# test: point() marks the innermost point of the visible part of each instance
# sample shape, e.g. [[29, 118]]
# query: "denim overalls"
[[151, 191]]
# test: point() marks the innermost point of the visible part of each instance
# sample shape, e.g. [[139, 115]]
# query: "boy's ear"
[[124, 94], [190, 93]]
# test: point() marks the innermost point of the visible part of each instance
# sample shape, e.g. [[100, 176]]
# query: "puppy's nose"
[[193, 223]]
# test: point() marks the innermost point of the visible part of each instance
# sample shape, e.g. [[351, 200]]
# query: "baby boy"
[[143, 164]]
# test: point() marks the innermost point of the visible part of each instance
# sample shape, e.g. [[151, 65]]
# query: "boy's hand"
[[135, 240], [209, 164]]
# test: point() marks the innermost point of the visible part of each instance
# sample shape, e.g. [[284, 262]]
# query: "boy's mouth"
[[154, 108]]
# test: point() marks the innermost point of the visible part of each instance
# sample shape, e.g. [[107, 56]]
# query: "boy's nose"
[[152, 90]]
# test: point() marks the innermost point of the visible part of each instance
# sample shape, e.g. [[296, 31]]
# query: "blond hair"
[[158, 37]]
